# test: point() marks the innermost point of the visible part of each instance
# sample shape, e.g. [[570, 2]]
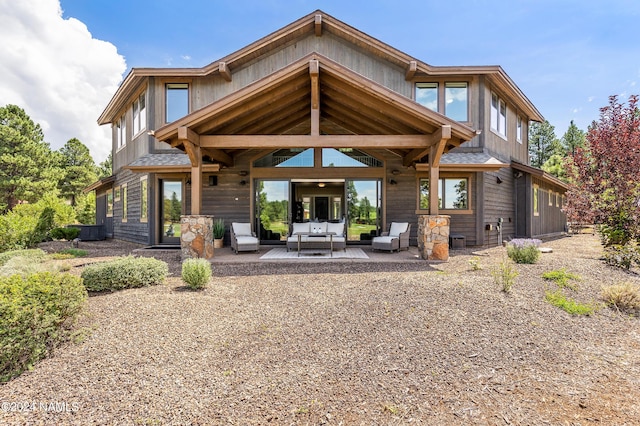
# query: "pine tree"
[[26, 162], [78, 170], [542, 143], [573, 139]]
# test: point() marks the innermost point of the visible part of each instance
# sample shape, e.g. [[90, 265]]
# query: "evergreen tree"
[[573, 139], [542, 143], [78, 170], [105, 169], [26, 161]]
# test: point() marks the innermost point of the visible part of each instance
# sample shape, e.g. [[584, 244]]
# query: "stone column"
[[433, 237], [196, 236]]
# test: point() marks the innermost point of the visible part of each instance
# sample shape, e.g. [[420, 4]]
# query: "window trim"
[[125, 204], [536, 200], [109, 202], [441, 96], [140, 117], [451, 84], [468, 176], [121, 132], [144, 199], [519, 129], [498, 110], [166, 104]]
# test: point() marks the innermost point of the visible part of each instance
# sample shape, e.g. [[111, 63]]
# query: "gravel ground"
[[366, 343]]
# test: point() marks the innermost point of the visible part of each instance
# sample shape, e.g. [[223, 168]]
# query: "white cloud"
[[57, 72]]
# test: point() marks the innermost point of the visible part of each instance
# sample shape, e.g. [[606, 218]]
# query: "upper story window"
[[455, 95], [456, 106], [121, 132], [427, 95], [519, 129], [139, 114], [498, 115], [177, 99]]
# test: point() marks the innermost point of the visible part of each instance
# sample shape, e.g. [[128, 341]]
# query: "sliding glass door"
[[272, 210], [364, 203]]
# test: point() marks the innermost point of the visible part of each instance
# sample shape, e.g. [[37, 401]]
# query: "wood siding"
[[132, 229]]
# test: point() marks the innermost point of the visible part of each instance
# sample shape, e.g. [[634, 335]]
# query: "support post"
[[433, 237]]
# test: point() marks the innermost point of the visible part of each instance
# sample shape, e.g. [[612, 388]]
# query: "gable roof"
[[315, 22]]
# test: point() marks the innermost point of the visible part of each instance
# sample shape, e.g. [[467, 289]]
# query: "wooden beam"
[[185, 133], [196, 188], [411, 71], [434, 176], [323, 141], [219, 156], [439, 142], [314, 72], [438, 138], [224, 71], [194, 153], [318, 25]]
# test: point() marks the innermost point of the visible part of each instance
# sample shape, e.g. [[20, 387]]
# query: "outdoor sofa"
[[396, 239], [320, 241]]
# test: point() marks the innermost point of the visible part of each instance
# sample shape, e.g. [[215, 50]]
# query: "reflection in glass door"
[[363, 209], [272, 210], [171, 209]]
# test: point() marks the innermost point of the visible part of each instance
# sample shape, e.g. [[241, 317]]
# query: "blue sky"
[[567, 56]]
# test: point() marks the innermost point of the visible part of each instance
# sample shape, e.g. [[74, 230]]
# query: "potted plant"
[[218, 232]]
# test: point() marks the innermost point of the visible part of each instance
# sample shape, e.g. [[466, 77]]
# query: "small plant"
[[624, 297], [125, 272], [474, 262], [561, 277], [218, 229], [505, 275], [558, 299], [524, 250], [196, 273], [35, 255]]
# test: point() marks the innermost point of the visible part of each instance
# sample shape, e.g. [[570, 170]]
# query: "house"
[[322, 121]]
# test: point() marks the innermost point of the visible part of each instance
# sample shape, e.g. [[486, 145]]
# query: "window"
[[536, 204], [177, 99], [427, 95], [124, 202], [110, 203], [121, 132], [139, 114], [455, 101], [453, 193], [144, 215], [519, 129], [551, 195], [116, 194], [498, 115], [558, 199]]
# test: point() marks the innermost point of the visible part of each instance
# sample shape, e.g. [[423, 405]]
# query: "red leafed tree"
[[605, 174]]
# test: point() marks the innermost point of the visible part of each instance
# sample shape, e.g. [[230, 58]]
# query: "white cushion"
[[385, 239], [398, 228], [300, 227], [241, 228], [337, 228], [318, 228], [246, 240]]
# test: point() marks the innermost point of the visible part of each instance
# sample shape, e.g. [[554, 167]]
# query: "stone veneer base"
[[433, 237], [196, 236]]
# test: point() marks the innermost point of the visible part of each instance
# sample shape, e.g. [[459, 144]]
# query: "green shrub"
[[196, 273], [622, 256], [125, 272], [35, 255], [561, 277], [505, 275], [524, 250], [74, 252], [558, 299], [624, 297], [68, 234], [35, 313]]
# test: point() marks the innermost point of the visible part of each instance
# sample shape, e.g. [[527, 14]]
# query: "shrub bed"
[[36, 255], [65, 233], [35, 313], [125, 272]]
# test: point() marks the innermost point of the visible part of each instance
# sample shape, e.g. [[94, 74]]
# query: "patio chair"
[[397, 238], [243, 238]]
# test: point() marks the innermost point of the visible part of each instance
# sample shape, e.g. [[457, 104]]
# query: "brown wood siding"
[[101, 212], [551, 219], [499, 203], [132, 230]]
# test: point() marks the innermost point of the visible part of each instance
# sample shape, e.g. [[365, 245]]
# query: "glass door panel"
[[171, 209], [363, 209], [272, 210]]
